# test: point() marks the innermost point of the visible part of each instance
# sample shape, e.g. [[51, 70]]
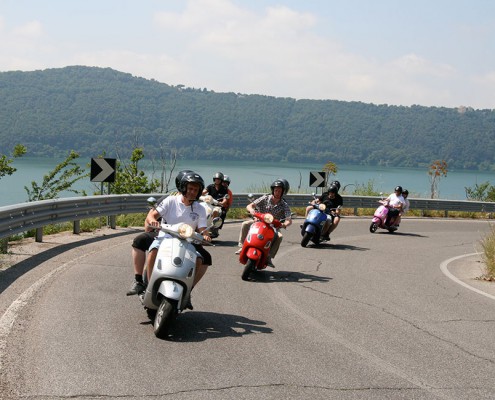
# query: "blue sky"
[[431, 53]]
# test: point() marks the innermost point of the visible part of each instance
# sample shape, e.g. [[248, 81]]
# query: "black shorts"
[[393, 212], [204, 254], [143, 240]]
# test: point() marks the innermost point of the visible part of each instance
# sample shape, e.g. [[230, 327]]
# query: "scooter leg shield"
[[310, 228], [254, 253], [376, 220], [171, 290]]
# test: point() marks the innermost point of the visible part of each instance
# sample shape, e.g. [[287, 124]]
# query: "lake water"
[[247, 176]]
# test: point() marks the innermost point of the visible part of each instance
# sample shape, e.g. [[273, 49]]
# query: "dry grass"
[[488, 244]]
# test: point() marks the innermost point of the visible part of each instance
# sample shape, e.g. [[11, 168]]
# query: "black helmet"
[[226, 178], [333, 189], [283, 183], [191, 177], [405, 192], [336, 184], [218, 175], [398, 189], [179, 177]]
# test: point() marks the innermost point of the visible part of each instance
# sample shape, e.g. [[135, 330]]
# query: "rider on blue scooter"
[[333, 202]]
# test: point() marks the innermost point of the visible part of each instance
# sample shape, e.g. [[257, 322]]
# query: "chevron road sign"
[[317, 179], [103, 169]]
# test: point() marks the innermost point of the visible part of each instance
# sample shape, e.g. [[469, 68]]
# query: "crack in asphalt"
[[227, 388], [414, 325]]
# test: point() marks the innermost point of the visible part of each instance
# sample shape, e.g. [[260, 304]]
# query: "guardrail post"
[[113, 221], [4, 244], [77, 227], [39, 235]]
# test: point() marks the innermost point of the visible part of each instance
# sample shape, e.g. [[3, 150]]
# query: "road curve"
[[367, 316]]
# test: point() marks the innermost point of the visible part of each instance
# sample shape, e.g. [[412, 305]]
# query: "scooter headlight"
[[185, 231], [268, 218], [322, 207]]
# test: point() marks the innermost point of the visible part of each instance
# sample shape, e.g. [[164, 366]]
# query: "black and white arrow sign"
[[317, 179], [103, 169]]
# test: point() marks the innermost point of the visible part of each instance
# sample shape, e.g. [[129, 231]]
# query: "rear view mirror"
[[151, 201], [217, 222]]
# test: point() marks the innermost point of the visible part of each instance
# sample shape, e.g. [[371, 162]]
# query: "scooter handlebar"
[[183, 231], [268, 218]]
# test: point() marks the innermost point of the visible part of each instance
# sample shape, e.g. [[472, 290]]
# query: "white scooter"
[[213, 210], [169, 289]]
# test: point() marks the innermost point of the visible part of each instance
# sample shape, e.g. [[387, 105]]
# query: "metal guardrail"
[[20, 218]]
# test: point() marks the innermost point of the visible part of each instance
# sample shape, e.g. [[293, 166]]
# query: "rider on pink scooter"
[[396, 203]]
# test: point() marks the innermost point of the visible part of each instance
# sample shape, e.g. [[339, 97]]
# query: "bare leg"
[[326, 228], [336, 221], [138, 260], [244, 231], [151, 262], [275, 245], [200, 271]]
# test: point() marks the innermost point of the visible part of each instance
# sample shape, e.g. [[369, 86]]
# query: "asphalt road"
[[367, 316]]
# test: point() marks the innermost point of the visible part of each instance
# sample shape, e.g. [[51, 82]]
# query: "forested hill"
[[95, 110]]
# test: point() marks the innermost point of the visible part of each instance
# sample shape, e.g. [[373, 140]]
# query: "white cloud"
[[231, 46], [32, 29]]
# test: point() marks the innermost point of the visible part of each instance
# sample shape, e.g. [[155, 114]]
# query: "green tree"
[[130, 179], [481, 192], [366, 189], [5, 168], [60, 179]]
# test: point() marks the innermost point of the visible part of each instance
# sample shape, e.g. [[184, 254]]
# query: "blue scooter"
[[313, 225]]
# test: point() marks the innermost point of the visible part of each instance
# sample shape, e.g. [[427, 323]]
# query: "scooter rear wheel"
[[164, 317], [248, 268], [373, 227], [306, 238]]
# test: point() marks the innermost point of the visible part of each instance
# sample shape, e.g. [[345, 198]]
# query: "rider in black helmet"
[[179, 177], [142, 243], [396, 204], [274, 204], [218, 191], [182, 209], [333, 202], [405, 209]]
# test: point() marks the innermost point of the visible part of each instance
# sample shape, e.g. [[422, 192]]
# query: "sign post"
[[103, 170]]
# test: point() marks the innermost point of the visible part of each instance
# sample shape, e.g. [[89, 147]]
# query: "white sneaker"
[[238, 251]]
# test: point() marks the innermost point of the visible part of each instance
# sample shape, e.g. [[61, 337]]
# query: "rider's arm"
[[152, 219], [146, 227], [251, 208], [205, 233]]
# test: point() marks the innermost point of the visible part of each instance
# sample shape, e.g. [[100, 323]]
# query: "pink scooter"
[[380, 217]]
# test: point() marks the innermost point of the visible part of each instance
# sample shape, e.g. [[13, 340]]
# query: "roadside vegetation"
[[488, 255], [131, 179]]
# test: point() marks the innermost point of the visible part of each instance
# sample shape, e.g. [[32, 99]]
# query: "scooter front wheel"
[[248, 268], [373, 227], [163, 318], [306, 238]]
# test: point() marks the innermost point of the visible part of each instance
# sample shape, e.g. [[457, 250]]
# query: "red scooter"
[[256, 247]]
